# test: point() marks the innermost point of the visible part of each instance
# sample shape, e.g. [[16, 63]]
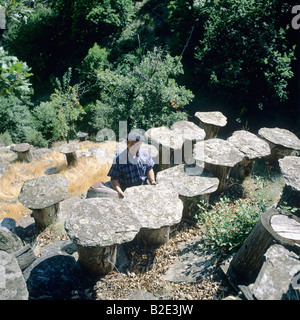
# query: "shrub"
[[56, 118], [144, 93], [228, 224], [17, 122], [5, 139], [244, 50], [14, 75]]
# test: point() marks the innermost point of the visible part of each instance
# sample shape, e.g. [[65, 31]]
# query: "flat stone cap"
[[101, 222], [249, 144], [166, 137], [215, 118], [286, 227], [155, 206], [189, 130], [69, 148], [217, 152], [81, 134], [43, 192], [280, 137], [21, 147], [290, 168], [189, 185]]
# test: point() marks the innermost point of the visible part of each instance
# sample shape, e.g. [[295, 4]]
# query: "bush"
[[5, 139], [144, 93], [17, 122], [45, 117], [35, 138], [14, 75], [36, 42], [228, 224], [56, 118], [244, 51]]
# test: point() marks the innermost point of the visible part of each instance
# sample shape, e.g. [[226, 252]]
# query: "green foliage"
[[45, 120], [144, 93], [244, 49], [228, 224], [34, 137], [5, 138], [14, 75], [238, 48], [16, 10], [284, 206], [17, 120], [37, 42], [58, 116], [182, 16], [65, 101], [112, 12], [95, 61]]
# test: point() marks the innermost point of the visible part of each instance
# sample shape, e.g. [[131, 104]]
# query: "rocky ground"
[[147, 270], [142, 276]]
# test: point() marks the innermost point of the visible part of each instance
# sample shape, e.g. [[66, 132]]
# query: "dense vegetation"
[[70, 65]]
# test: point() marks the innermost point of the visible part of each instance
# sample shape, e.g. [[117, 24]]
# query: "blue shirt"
[[131, 171]]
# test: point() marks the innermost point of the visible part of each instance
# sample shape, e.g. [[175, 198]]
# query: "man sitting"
[[131, 167]]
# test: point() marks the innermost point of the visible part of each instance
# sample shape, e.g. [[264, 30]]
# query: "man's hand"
[[151, 177], [116, 185], [121, 194]]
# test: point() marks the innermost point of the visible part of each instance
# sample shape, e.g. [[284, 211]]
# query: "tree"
[[15, 89], [18, 122], [244, 50], [16, 10], [67, 106], [58, 33], [14, 77], [57, 117], [142, 91]]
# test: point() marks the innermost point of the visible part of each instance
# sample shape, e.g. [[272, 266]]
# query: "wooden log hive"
[[82, 136], [219, 157], [42, 195], [168, 143], [211, 122], [274, 226], [102, 190], [191, 133], [290, 169], [193, 184], [252, 147], [157, 208], [12, 282], [69, 150], [23, 151], [97, 226], [282, 143]]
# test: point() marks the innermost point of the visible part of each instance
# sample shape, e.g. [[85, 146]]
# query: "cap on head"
[[135, 136]]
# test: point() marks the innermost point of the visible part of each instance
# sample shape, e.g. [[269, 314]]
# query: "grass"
[[266, 182], [228, 222], [86, 173]]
